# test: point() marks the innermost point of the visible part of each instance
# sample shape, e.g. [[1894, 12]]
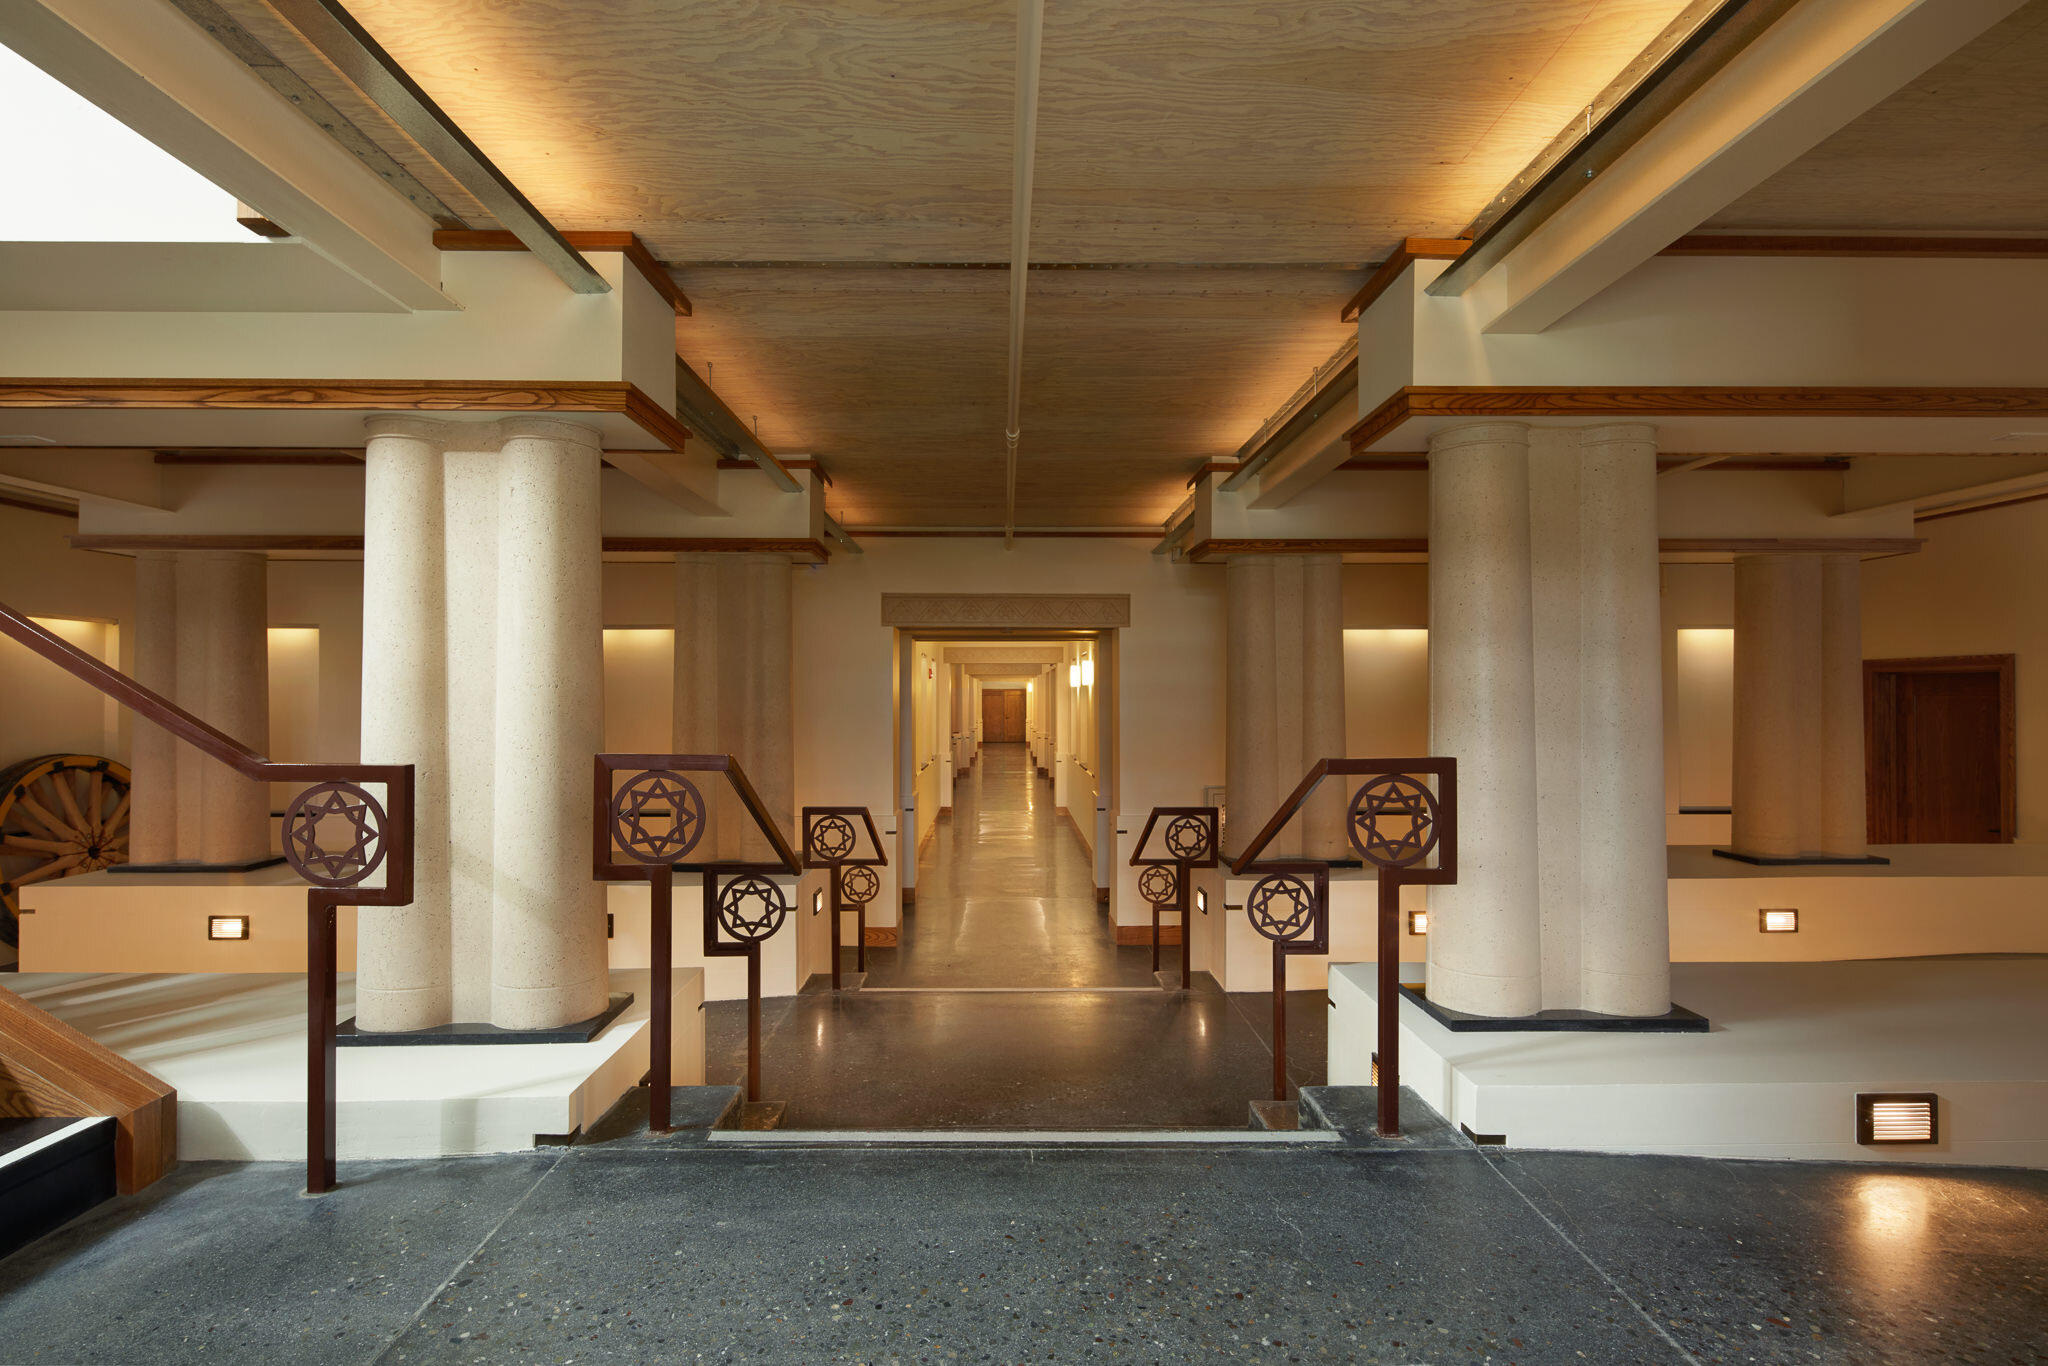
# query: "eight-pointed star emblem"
[[334, 834], [658, 816], [1393, 821]]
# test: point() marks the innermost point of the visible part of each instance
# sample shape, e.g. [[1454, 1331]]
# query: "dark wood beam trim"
[[1893, 247], [628, 243], [1621, 403], [372, 395], [27, 505], [1411, 250], [1212, 550], [807, 550]]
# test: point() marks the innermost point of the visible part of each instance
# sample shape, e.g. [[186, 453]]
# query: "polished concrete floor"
[[700, 1251], [1008, 1003]]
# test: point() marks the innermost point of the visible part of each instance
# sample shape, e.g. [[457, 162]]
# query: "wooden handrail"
[[49, 1068], [764, 821], [322, 991], [1444, 770]]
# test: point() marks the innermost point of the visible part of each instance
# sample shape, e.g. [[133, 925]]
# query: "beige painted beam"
[[119, 476], [1810, 74], [158, 72], [688, 480], [1314, 451], [1923, 483]]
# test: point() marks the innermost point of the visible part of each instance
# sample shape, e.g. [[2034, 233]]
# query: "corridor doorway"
[[1002, 716]]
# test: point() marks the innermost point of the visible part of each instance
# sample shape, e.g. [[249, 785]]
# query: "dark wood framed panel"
[[1941, 750]]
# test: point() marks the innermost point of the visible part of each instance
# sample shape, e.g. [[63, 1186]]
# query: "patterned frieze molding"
[[1007, 611], [1003, 654]]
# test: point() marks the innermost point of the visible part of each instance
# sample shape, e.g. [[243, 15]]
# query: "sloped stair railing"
[[1395, 822], [336, 836]]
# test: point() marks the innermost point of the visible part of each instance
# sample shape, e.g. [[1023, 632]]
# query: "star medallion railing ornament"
[[834, 837], [751, 907], [859, 885], [1282, 907], [334, 834], [1393, 821], [831, 838], [1159, 884], [1190, 838], [658, 816]]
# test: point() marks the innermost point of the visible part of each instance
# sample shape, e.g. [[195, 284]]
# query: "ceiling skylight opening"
[[71, 172]]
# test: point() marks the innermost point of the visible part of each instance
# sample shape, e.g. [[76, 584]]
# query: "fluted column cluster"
[[735, 646], [1286, 697]]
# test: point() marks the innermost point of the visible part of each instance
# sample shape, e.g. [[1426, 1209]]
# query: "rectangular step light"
[[227, 927], [1779, 921], [817, 900], [1897, 1117], [1418, 922]]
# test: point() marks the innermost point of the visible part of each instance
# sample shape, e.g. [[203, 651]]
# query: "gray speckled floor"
[[634, 1253]]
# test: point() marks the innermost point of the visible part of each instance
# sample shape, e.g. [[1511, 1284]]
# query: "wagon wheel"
[[60, 815]]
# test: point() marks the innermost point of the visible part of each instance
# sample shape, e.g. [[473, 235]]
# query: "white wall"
[[43, 710]]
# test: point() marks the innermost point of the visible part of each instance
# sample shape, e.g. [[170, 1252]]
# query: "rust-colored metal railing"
[[830, 842], [336, 803], [1166, 882], [1395, 822], [656, 816]]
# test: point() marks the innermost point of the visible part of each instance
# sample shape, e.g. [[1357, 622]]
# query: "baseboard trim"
[[1127, 935]]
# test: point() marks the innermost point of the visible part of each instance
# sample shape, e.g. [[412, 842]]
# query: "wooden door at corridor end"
[[1939, 747], [1002, 715]]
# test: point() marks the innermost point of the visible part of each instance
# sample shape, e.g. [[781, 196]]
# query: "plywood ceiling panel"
[[1310, 134], [1964, 148]]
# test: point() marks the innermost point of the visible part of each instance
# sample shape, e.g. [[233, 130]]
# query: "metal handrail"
[[322, 991], [610, 832], [1193, 839], [818, 856], [1394, 869]]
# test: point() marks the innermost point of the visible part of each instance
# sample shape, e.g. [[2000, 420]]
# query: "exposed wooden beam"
[[627, 243], [1803, 78], [1621, 402], [1411, 250]]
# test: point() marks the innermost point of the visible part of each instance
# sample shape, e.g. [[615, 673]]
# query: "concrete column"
[[153, 765], [1322, 676], [1624, 928], [548, 942], [696, 681], [1105, 764], [1250, 789], [223, 623], [1844, 819], [767, 733], [403, 970], [1778, 744], [1485, 939]]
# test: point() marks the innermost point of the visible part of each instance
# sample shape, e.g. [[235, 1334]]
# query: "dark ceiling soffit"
[[334, 32], [1711, 44]]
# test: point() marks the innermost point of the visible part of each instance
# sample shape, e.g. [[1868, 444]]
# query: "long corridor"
[[1008, 1004]]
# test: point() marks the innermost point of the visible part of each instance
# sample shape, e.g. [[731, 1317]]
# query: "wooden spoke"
[[29, 844], [36, 811], [68, 799], [119, 819], [50, 869], [95, 805]]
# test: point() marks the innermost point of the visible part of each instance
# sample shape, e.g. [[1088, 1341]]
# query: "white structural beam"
[[1819, 67], [116, 476], [158, 72], [1927, 483]]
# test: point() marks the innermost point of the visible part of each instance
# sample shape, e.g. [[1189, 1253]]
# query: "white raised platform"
[[156, 923], [234, 1046], [1931, 899], [1776, 1077]]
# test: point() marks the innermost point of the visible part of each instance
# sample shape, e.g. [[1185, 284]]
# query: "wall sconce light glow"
[[1779, 921], [1418, 922], [227, 927], [1897, 1117], [1074, 674], [1087, 671]]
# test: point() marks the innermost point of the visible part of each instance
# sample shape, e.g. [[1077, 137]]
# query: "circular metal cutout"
[[1393, 821], [1159, 884], [832, 838], [1282, 906], [334, 834], [1187, 838], [751, 907], [658, 816], [858, 884]]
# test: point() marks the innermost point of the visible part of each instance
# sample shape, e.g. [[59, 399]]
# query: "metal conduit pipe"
[[1030, 32]]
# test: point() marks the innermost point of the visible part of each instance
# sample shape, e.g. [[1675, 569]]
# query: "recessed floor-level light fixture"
[[1202, 900], [608, 926], [227, 927], [1897, 1117], [1418, 922], [1782, 920], [817, 901], [1375, 1069]]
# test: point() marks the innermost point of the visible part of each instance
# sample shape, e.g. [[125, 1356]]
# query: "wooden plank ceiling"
[[1233, 166], [1962, 149]]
